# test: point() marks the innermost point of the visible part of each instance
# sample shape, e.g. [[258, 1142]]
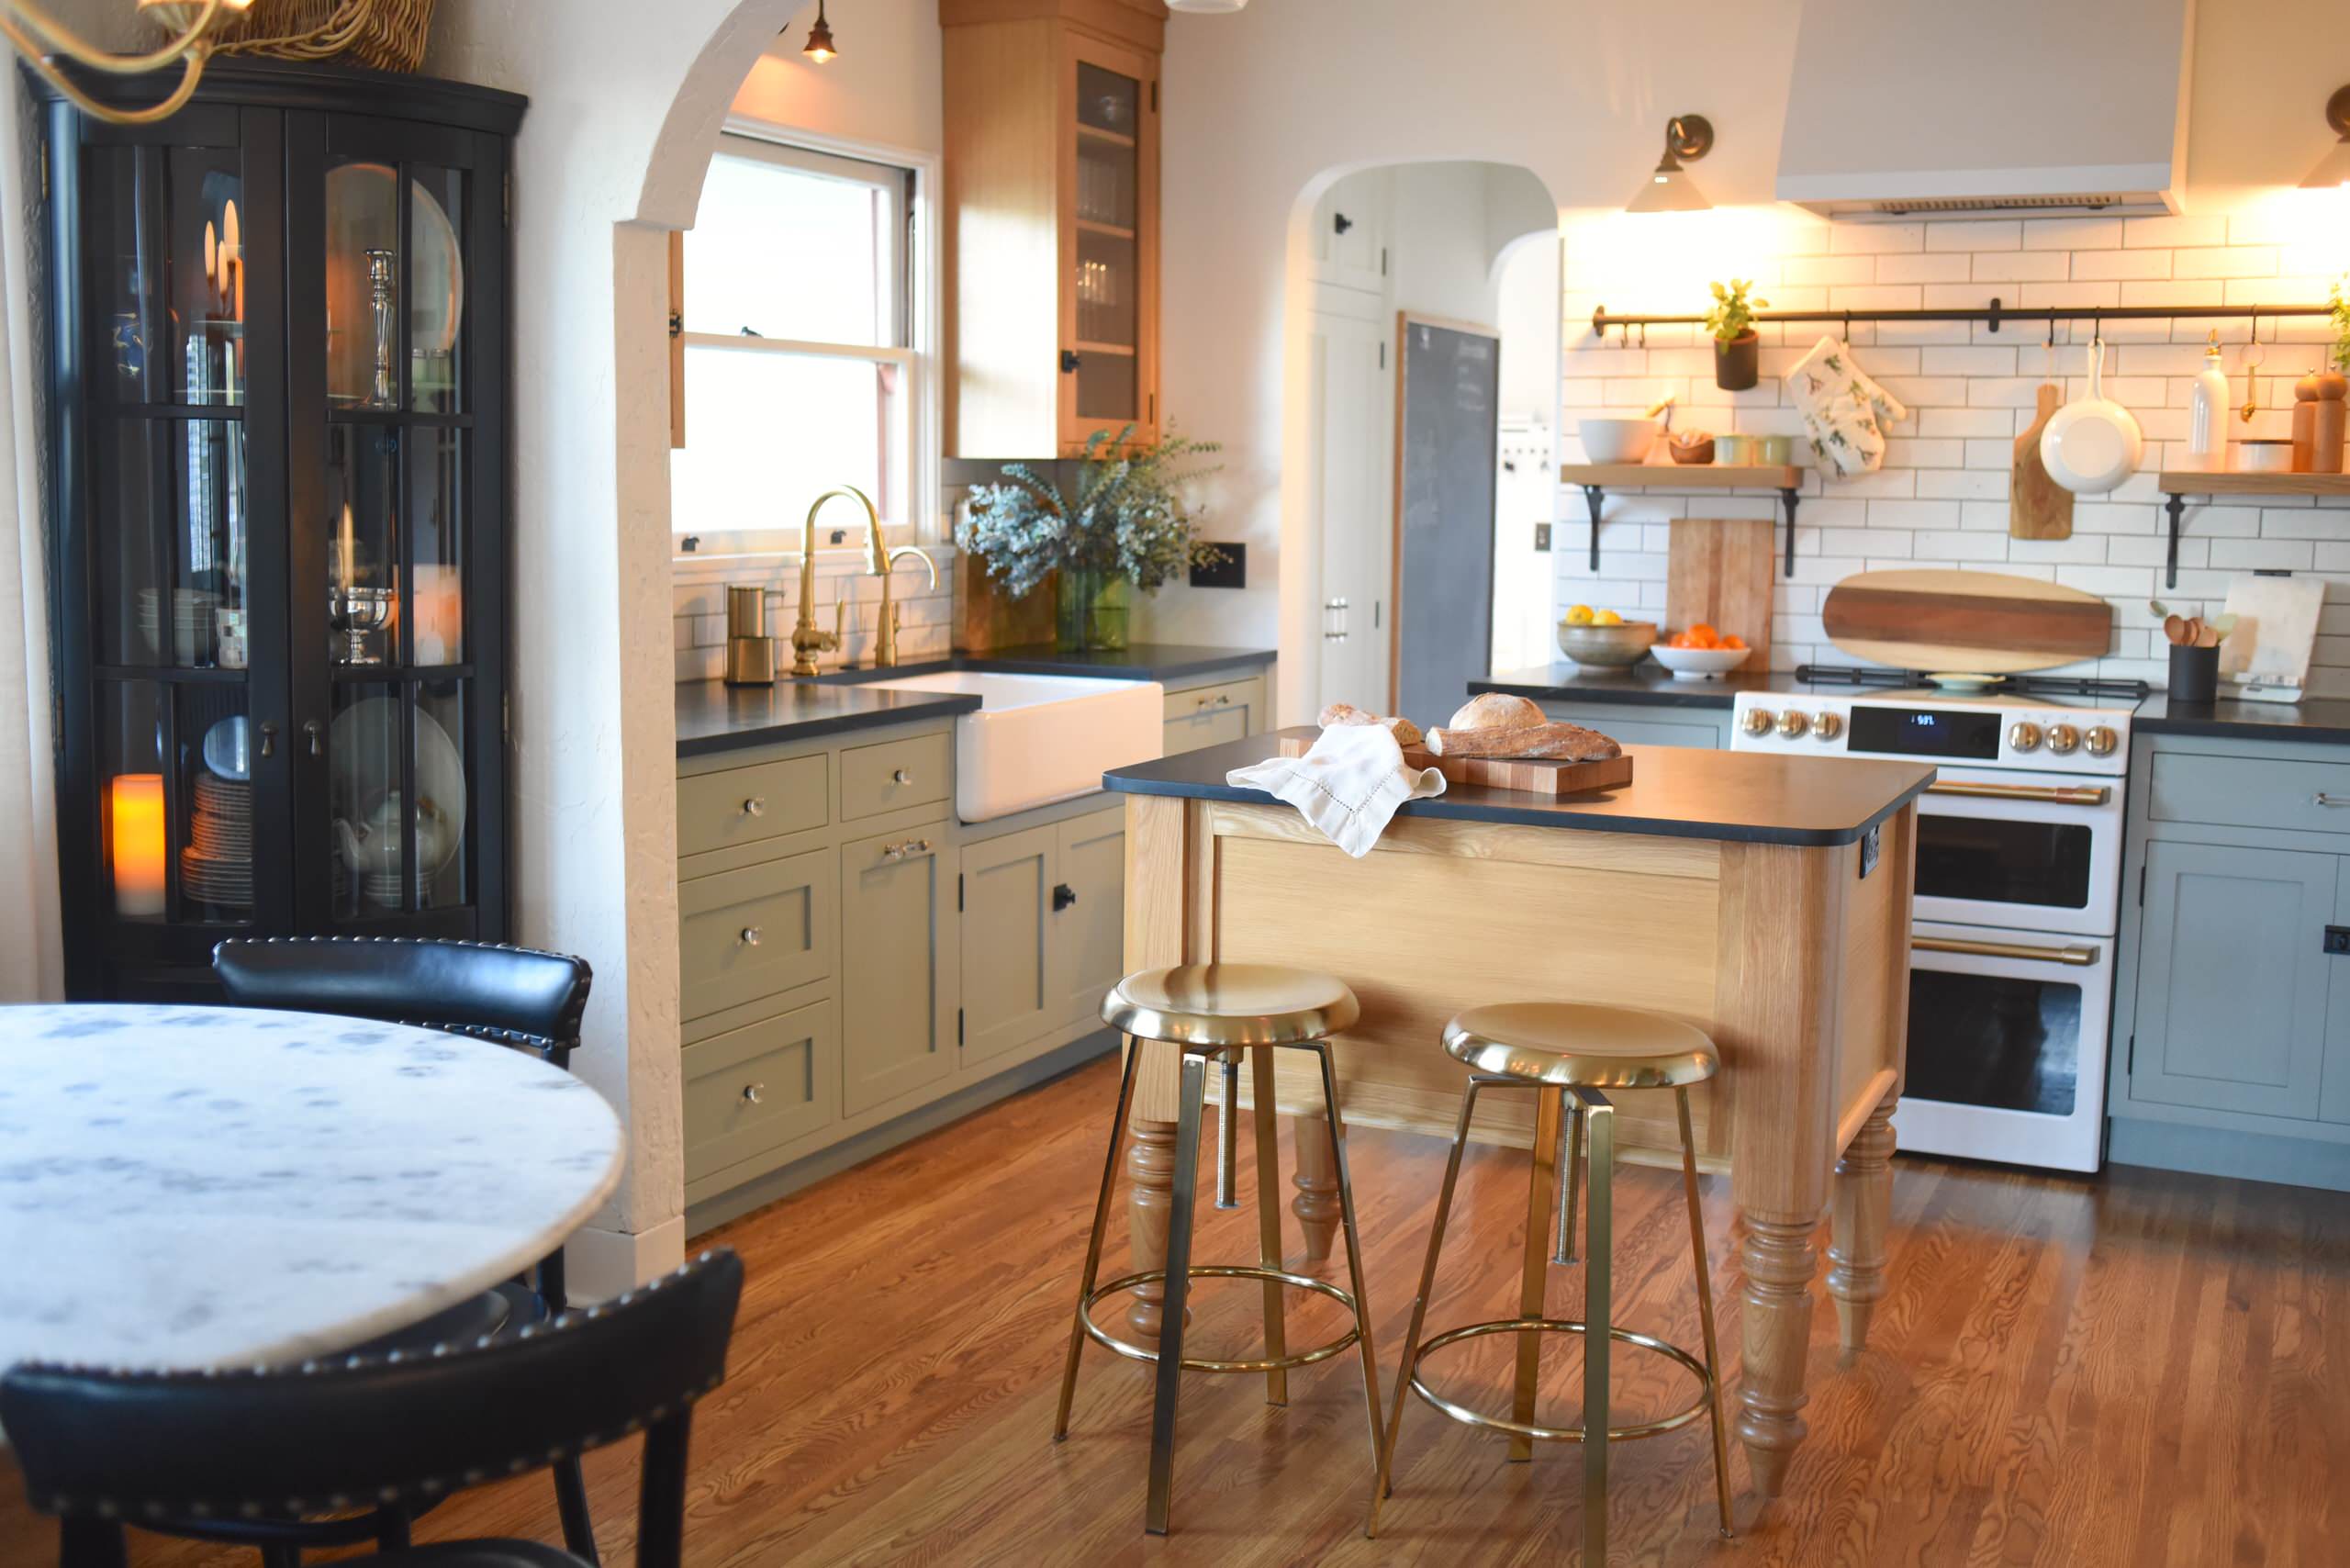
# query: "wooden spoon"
[[2174, 629]]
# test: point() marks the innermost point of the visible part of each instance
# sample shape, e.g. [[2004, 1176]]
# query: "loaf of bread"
[[1554, 741], [1406, 733], [1494, 724]]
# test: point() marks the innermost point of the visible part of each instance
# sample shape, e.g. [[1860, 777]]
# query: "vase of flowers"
[[1737, 347], [1123, 524]]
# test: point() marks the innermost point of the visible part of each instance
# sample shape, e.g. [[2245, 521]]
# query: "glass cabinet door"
[[1110, 243], [169, 555], [389, 550]]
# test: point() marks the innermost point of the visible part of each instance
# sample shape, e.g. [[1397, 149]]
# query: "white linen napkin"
[[1844, 412], [1349, 785]]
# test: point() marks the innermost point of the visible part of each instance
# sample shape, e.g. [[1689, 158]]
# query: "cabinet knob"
[[756, 806], [1223, 700], [1063, 896], [751, 934], [1070, 360], [909, 846], [269, 740], [310, 728], [902, 775], [754, 1093]]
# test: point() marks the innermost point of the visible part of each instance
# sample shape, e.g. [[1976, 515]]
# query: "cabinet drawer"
[[748, 934], [758, 1087], [2313, 797], [717, 811], [894, 775], [1245, 695]]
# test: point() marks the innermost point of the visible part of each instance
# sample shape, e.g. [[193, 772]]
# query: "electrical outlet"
[[1541, 536]]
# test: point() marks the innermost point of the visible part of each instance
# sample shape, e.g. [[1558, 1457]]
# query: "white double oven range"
[[2018, 892]]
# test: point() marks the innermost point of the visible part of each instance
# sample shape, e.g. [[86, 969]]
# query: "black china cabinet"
[[278, 488]]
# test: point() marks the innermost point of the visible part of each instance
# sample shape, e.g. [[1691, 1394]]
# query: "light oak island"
[[1763, 898]]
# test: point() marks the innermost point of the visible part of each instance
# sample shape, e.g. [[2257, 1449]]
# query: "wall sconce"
[[819, 47], [1670, 189], [135, 836], [2334, 169]]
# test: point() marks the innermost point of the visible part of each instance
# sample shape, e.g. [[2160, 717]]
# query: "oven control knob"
[[2023, 735], [2061, 739], [1759, 721], [1792, 725], [2101, 741], [1825, 726]]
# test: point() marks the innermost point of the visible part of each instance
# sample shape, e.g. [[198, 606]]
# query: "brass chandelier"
[[43, 41]]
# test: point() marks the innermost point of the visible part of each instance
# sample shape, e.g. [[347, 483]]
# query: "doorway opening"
[[1431, 308]]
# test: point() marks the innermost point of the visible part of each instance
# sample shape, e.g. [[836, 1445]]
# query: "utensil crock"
[[2194, 674]]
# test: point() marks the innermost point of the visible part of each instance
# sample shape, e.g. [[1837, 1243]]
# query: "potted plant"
[[1737, 348], [1123, 525]]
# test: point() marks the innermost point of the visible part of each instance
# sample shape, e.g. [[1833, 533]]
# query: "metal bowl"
[[1606, 647]]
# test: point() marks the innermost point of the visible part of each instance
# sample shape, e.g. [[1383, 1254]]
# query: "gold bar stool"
[[1218, 1011], [1566, 1051]]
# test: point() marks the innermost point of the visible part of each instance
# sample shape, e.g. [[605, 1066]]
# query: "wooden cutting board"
[[2038, 507], [1980, 623], [1718, 570], [1531, 774]]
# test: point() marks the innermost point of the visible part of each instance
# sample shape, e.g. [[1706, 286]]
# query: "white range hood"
[[1921, 108]]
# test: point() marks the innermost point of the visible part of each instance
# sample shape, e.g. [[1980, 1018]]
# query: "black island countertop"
[[714, 717], [1676, 792]]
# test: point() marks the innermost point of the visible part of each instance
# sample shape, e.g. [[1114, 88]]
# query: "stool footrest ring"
[[1467, 1416], [1102, 1337]]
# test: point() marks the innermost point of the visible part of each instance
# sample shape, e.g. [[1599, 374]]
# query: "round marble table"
[[210, 1186]]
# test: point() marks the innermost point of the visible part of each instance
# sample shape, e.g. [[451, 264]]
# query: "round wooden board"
[[1981, 623]]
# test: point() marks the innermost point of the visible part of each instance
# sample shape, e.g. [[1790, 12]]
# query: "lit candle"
[[135, 829], [212, 261], [232, 261], [348, 548]]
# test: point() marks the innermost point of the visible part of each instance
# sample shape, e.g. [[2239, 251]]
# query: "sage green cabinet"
[[1209, 715], [898, 965], [2232, 978], [1090, 926], [753, 932], [1008, 992], [755, 1087]]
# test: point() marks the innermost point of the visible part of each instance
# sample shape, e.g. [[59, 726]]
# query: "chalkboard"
[[1447, 415]]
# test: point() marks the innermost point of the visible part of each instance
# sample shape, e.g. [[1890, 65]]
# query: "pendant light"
[[819, 47], [2334, 169], [1669, 188]]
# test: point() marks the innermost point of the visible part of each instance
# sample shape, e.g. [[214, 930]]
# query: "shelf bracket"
[[2175, 504], [1787, 498], [1592, 496]]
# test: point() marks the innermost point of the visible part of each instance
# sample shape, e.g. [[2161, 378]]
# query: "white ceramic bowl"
[[1617, 440], [1699, 664]]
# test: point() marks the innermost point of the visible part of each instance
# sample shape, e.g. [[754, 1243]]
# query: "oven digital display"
[[1960, 733]]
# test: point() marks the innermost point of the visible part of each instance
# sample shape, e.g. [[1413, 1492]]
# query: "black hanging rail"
[[1996, 314]]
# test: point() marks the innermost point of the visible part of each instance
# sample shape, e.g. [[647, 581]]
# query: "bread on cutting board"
[[1406, 733], [1493, 724]]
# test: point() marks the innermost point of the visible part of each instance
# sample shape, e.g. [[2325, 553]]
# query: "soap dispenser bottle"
[[2207, 412]]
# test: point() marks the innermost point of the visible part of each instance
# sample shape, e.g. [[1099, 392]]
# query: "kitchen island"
[[1763, 898]]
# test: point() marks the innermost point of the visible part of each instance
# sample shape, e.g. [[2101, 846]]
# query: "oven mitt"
[[1844, 412], [1349, 785]]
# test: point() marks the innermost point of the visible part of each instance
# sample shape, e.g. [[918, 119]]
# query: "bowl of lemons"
[[1603, 639]]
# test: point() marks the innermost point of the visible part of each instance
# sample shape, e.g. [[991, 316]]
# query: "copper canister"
[[750, 652]]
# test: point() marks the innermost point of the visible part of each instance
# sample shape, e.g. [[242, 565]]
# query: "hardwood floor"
[[2140, 1370]]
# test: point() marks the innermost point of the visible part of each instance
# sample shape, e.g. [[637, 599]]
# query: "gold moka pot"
[[750, 652]]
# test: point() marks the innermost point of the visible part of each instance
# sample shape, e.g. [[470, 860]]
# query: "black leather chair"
[[102, 1449], [519, 997]]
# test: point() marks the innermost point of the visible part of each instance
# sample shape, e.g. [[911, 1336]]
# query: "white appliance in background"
[[1525, 495], [2018, 896]]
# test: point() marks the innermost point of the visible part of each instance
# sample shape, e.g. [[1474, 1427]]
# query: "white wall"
[[1264, 106], [883, 88]]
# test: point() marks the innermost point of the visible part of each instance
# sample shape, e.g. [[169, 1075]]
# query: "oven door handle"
[[2076, 957], [2054, 794]]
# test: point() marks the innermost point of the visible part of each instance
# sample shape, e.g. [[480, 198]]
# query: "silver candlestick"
[[358, 614], [381, 296]]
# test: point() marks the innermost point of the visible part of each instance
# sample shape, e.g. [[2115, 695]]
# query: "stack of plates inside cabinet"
[[216, 866], [191, 623]]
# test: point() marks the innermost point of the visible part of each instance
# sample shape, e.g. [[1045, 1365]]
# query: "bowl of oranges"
[[1700, 653], [1603, 639]]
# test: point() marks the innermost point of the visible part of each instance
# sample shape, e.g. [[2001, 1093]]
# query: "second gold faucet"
[[807, 639]]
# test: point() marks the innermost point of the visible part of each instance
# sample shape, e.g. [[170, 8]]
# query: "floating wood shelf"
[[2178, 484], [1107, 136], [1107, 231], [1597, 478]]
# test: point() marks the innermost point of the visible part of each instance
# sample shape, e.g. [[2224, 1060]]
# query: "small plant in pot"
[[1737, 348], [1123, 523]]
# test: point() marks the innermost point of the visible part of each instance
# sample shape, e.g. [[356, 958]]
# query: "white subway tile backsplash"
[[1941, 497]]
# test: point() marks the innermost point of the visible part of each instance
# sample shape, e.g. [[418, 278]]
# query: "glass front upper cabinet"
[[1110, 244]]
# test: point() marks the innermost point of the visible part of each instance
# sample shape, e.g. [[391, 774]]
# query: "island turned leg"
[[1316, 1203], [1150, 1199], [1779, 1266], [1862, 1209]]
